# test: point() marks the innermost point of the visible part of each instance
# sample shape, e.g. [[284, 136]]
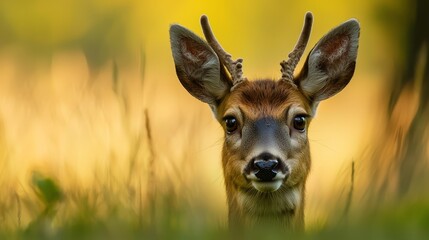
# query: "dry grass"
[[90, 155]]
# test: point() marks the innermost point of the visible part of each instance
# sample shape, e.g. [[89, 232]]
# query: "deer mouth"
[[264, 185]]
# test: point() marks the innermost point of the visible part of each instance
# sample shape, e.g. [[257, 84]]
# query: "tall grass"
[[135, 191], [138, 200], [145, 204]]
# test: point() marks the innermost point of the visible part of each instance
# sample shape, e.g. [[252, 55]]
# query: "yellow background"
[[60, 113]]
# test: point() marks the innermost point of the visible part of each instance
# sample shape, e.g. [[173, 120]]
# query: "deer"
[[266, 153]]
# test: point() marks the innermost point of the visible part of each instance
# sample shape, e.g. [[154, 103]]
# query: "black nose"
[[265, 165]]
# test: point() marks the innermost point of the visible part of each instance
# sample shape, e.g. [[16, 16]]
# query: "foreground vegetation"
[[107, 212]]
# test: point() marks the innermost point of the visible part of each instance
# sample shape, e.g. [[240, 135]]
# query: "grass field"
[[139, 192], [110, 214]]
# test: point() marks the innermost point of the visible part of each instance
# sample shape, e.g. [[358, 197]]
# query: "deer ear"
[[198, 67], [331, 63]]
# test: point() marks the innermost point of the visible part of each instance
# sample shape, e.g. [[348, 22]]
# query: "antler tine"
[[235, 68], [289, 66]]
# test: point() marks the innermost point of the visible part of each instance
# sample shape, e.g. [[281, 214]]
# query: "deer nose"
[[265, 165]]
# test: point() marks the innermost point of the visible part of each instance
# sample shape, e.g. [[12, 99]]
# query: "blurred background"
[[90, 103]]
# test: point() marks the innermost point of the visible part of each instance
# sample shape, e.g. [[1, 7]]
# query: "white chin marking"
[[271, 186]]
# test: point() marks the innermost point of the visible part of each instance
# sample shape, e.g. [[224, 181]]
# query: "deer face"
[[266, 122], [266, 144]]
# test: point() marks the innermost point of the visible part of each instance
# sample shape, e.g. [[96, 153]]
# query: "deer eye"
[[231, 124], [299, 123]]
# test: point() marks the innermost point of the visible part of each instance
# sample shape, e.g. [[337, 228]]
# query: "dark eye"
[[299, 123], [231, 124]]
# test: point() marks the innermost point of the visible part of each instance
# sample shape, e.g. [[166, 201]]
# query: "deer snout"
[[266, 172]]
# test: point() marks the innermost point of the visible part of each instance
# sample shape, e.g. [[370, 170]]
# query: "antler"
[[235, 68], [289, 66]]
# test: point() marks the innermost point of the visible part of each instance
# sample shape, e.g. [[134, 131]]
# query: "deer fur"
[[266, 152]]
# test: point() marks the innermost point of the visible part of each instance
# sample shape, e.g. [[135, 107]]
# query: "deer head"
[[266, 156]]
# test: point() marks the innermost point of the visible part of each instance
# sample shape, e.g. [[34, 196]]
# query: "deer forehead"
[[262, 98]]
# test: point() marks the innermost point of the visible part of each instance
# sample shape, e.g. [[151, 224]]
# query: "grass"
[[119, 209], [147, 202], [408, 220]]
